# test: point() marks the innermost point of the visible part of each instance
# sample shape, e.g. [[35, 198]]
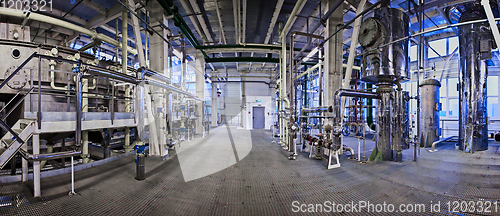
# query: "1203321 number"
[[480, 206], [28, 5]]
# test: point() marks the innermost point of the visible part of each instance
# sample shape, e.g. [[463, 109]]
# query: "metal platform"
[[55, 122], [264, 182]]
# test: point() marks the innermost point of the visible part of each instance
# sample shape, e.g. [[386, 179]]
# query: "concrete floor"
[[262, 181]]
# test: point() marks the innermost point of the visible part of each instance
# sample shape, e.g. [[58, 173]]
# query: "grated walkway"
[[264, 182]]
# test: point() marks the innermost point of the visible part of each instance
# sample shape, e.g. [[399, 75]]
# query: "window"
[[492, 85], [492, 106], [452, 44], [439, 46], [452, 89], [442, 90], [442, 113], [413, 53], [453, 107]]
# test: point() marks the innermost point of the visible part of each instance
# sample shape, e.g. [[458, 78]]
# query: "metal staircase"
[[10, 145]]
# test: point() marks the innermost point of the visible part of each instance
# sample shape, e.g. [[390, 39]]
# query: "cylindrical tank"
[[386, 66], [475, 48], [384, 119], [429, 112], [401, 121], [389, 63]]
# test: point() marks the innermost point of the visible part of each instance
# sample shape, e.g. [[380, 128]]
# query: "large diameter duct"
[[390, 62], [429, 112], [475, 48]]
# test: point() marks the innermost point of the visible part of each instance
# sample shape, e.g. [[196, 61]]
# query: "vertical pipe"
[[320, 87], [183, 64], [420, 63], [292, 90], [127, 145], [24, 164], [36, 166], [85, 108], [72, 176], [78, 132]]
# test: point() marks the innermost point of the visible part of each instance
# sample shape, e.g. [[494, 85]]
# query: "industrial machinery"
[[385, 67], [429, 112], [75, 105], [475, 42]]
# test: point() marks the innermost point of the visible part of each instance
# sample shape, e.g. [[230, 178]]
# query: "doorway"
[[258, 117]]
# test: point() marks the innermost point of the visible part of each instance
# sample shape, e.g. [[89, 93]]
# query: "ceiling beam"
[[94, 6], [201, 20], [111, 14], [244, 20], [220, 22], [236, 14], [276, 13], [187, 8], [295, 17]]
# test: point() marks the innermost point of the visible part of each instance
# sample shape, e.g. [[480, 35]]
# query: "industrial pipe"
[[440, 141], [318, 109], [290, 18], [50, 156], [58, 22], [491, 21]]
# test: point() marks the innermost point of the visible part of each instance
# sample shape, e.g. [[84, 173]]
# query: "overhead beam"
[[94, 6], [220, 21], [244, 21], [194, 20], [201, 20], [111, 14], [242, 59], [276, 13], [294, 18]]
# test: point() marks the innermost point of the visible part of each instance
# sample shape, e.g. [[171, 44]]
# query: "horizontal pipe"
[[318, 109], [142, 72], [171, 88], [111, 74], [49, 156], [58, 22], [440, 141], [315, 116], [242, 59]]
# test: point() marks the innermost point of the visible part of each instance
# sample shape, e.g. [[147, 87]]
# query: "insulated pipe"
[[58, 22], [309, 70], [318, 109], [440, 141], [290, 18], [171, 88], [50, 156]]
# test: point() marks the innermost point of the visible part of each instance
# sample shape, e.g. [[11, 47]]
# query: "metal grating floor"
[[265, 182]]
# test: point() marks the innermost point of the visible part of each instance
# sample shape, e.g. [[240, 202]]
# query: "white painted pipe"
[[72, 177], [309, 70], [439, 141], [352, 55], [491, 21], [57, 22], [291, 18]]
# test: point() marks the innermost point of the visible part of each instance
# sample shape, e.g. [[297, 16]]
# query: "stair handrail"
[[17, 103]]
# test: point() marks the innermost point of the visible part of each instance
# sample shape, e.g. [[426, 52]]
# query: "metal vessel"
[[429, 112], [475, 42], [386, 67]]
